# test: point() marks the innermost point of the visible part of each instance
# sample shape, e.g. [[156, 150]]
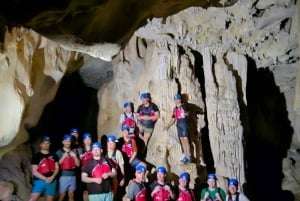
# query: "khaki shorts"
[[146, 130]]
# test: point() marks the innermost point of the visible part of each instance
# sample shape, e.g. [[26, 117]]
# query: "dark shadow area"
[[207, 153], [269, 136], [74, 106]]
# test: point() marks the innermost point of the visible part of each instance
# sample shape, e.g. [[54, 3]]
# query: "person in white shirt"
[[233, 194]]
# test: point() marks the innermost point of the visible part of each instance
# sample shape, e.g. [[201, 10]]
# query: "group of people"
[[102, 171]]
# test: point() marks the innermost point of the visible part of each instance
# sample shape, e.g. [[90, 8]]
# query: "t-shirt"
[[136, 191], [89, 168], [212, 193], [38, 159], [147, 111], [116, 156], [71, 172], [242, 197]]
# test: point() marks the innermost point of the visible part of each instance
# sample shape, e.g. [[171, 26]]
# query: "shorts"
[[182, 130], [135, 162], [67, 183], [102, 197], [146, 130], [40, 186]]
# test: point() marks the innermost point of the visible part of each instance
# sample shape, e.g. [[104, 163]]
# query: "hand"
[[206, 195], [218, 196], [48, 180], [122, 182], [105, 175], [156, 189], [72, 153], [167, 188], [98, 180]]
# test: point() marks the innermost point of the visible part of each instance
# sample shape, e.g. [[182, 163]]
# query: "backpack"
[[68, 163], [209, 197], [236, 198], [46, 165], [127, 148], [129, 121], [104, 166]]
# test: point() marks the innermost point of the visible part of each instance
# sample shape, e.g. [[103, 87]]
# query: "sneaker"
[[187, 160], [183, 160]]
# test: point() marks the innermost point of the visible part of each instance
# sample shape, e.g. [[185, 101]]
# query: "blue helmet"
[[86, 135], [125, 127], [177, 97], [185, 176], [162, 170], [212, 176], [67, 137], [112, 138], [145, 95], [97, 145], [74, 130], [45, 138], [233, 181], [127, 104], [140, 168]]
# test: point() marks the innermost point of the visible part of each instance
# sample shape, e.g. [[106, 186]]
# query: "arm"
[[86, 179], [77, 161], [155, 116], [55, 173], [172, 121], [35, 173], [172, 194]]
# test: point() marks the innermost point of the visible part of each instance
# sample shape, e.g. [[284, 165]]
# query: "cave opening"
[[74, 106], [268, 136]]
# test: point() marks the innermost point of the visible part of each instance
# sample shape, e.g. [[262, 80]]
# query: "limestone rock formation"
[[31, 69]]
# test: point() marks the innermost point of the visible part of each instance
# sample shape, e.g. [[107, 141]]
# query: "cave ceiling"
[[76, 24]]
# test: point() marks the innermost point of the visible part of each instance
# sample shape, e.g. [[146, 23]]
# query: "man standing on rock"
[[148, 113], [44, 166], [180, 116]]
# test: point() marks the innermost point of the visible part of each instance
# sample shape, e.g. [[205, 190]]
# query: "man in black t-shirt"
[[97, 173], [44, 166]]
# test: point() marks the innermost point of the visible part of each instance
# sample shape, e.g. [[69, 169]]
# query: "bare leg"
[[85, 195], [49, 198], [34, 196], [71, 195], [61, 196], [186, 146]]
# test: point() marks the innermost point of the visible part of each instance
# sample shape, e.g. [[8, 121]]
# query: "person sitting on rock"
[[233, 194], [148, 113], [184, 192], [180, 116], [129, 148], [160, 190], [45, 168], [212, 192], [129, 118]]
